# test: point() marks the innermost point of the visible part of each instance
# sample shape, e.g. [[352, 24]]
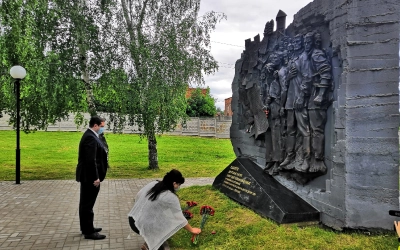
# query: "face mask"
[[101, 130], [176, 189]]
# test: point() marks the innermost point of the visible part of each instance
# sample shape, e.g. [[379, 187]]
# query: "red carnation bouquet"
[[205, 212]]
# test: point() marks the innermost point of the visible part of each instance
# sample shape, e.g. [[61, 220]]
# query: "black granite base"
[[245, 182]]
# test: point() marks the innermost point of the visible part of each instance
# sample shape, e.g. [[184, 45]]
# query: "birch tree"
[[169, 46]]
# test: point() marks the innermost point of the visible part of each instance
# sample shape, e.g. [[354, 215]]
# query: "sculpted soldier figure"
[[283, 83], [319, 100], [283, 44], [299, 77], [273, 141], [256, 117], [247, 115]]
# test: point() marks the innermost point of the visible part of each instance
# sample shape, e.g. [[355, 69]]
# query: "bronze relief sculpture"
[[285, 90]]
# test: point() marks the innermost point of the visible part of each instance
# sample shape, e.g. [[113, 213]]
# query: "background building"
[[228, 107]]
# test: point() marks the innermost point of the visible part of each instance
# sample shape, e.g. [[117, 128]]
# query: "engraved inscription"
[[235, 182]]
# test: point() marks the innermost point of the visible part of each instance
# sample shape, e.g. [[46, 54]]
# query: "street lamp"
[[18, 73]]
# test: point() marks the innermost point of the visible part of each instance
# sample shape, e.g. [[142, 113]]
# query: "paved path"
[[44, 214]]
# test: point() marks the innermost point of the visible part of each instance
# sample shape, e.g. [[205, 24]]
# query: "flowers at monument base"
[[188, 215], [189, 204]]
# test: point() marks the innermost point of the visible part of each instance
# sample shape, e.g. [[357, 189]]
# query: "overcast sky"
[[245, 19]]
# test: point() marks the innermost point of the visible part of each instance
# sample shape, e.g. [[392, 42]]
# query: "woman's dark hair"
[[166, 184]]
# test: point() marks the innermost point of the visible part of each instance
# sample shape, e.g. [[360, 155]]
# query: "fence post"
[[215, 127]]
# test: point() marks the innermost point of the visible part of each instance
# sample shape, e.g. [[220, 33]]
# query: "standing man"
[[90, 171]]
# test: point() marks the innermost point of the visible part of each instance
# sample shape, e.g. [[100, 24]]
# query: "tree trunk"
[[89, 92], [152, 145]]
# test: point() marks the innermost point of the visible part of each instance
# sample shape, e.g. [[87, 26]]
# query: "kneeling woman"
[[157, 214]]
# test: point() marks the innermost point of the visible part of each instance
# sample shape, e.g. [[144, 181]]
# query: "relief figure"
[[274, 147], [299, 87], [319, 100]]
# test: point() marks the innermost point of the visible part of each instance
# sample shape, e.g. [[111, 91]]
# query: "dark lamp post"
[[18, 73]]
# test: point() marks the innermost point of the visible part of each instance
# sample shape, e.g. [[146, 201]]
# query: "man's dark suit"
[[92, 165]]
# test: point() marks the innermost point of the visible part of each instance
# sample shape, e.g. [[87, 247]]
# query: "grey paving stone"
[[44, 214]]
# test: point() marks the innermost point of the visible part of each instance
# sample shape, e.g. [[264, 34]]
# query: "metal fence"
[[217, 127]]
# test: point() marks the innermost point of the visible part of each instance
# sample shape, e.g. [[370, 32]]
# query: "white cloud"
[[245, 19]]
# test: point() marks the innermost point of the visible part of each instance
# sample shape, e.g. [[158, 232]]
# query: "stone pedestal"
[[245, 182]]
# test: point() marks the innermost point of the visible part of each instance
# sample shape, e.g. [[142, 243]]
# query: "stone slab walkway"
[[44, 214]]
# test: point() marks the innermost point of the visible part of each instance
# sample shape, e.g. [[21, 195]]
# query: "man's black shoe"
[[95, 236], [97, 229]]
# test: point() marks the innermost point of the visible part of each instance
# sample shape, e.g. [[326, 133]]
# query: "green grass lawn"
[[238, 227], [54, 155]]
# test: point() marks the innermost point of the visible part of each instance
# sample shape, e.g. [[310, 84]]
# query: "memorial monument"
[[316, 117]]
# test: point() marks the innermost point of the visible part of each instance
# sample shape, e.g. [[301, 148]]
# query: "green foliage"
[[58, 42], [54, 155], [199, 104], [219, 110], [23, 40], [237, 227], [108, 93], [132, 58]]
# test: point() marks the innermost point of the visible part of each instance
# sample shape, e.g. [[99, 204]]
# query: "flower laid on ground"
[[205, 211], [189, 204], [188, 215]]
